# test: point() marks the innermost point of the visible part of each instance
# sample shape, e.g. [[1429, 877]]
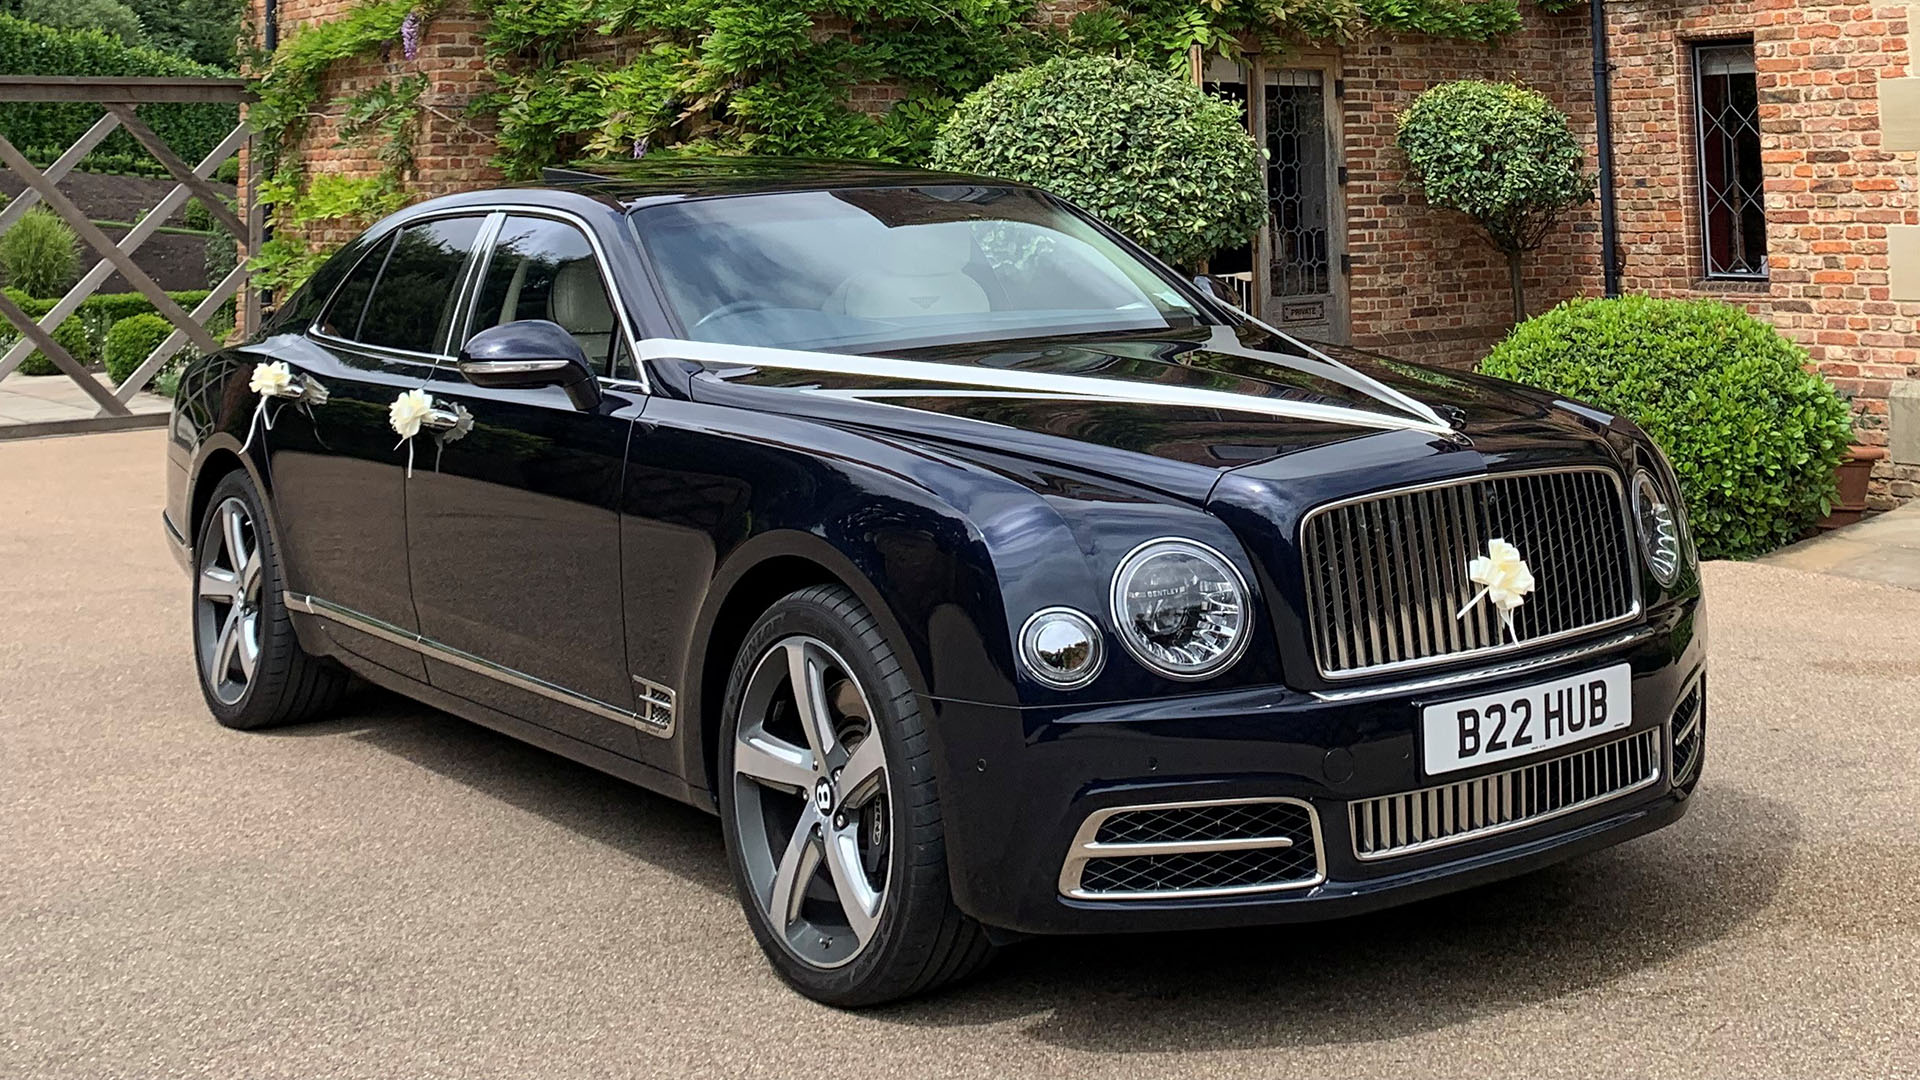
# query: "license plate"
[[1531, 720]]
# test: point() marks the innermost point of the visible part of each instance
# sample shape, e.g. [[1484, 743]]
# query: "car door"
[[513, 524], [338, 475]]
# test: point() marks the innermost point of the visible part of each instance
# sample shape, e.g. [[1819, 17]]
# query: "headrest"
[[926, 250], [579, 299]]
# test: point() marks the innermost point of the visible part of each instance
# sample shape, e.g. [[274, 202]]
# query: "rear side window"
[[415, 296], [545, 269], [342, 319]]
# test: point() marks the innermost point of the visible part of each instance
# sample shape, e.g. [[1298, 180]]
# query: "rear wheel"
[[830, 810], [253, 672]]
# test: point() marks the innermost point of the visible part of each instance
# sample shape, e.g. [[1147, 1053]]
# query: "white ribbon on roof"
[[1411, 415]]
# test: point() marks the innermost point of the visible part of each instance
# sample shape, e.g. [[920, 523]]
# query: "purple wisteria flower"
[[640, 148], [410, 35]]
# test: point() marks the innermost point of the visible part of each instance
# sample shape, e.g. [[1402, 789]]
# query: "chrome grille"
[[1194, 849], [1386, 575], [1469, 809]]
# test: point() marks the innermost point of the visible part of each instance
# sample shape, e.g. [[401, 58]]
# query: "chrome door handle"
[[442, 419]]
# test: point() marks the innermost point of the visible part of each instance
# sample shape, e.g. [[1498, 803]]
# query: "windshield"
[[896, 267]]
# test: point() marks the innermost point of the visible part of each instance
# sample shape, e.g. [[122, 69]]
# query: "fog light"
[[1062, 648]]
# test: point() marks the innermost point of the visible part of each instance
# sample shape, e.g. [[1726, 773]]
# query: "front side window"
[[414, 299], [871, 267], [1732, 189], [342, 319], [546, 269]]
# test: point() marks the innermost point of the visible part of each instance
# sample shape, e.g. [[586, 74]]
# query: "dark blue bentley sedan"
[[986, 577]]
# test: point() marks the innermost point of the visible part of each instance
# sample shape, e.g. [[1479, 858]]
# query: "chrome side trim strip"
[[1498, 671], [657, 720], [1085, 848]]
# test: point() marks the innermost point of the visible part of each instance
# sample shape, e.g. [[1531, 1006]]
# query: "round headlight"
[[1181, 608], [1062, 648], [1659, 528]]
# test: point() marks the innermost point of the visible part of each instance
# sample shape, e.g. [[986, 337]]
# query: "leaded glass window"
[[1732, 188]]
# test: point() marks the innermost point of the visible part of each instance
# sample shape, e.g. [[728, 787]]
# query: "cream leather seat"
[[920, 270], [579, 304]]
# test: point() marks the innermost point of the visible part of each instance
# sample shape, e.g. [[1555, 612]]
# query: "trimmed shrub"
[[1753, 435], [44, 130], [1143, 149], [223, 254], [37, 253], [130, 342], [72, 336], [110, 17], [1501, 154]]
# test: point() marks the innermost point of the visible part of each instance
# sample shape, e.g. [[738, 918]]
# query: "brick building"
[[1767, 152]]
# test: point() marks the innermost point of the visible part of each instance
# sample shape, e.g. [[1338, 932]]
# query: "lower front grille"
[[1470, 809], [1194, 849], [1689, 734]]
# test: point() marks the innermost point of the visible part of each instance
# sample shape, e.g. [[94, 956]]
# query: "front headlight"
[[1181, 608], [1658, 523]]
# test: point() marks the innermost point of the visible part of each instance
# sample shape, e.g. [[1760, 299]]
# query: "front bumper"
[[1022, 789]]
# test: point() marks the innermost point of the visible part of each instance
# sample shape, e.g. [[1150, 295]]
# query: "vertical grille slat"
[[1387, 574], [1507, 800]]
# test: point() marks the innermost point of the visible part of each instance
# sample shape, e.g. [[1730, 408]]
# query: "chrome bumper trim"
[[1085, 849], [1498, 671]]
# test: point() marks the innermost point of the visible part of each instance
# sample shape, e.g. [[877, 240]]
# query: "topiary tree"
[[37, 253], [1753, 435], [1146, 151], [1501, 154], [131, 341]]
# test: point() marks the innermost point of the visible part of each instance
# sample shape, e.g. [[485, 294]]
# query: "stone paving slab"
[[33, 405], [1883, 549]]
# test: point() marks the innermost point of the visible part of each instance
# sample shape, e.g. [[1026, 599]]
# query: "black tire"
[[285, 685], [921, 940]]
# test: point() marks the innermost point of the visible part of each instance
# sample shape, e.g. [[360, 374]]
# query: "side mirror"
[[1222, 289], [527, 354]]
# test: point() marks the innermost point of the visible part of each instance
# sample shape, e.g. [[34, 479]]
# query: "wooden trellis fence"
[[121, 98]]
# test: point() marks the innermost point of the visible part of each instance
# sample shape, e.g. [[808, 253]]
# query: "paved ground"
[[400, 894], [1883, 549], [34, 405]]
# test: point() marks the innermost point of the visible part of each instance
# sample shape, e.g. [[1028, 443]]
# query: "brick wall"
[[1424, 285]]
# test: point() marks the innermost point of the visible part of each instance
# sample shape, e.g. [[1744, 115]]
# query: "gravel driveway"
[[398, 893]]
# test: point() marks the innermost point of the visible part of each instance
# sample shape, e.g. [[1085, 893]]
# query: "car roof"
[[672, 177]]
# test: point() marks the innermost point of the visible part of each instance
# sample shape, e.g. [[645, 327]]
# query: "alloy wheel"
[[810, 800], [227, 605]]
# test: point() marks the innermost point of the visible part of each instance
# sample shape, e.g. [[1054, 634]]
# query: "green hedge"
[[1753, 435], [72, 336], [84, 332], [131, 341], [44, 130]]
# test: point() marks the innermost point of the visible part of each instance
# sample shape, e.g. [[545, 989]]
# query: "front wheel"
[[830, 810], [253, 672]]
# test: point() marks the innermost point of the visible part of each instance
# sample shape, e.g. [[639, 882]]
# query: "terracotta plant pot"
[[1855, 470]]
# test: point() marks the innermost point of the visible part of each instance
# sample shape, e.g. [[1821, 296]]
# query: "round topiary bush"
[[1146, 151], [1753, 435], [130, 341]]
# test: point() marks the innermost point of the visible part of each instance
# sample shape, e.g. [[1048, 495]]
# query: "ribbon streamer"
[[1420, 418]]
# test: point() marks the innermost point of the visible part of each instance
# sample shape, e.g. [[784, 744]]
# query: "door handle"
[[441, 419]]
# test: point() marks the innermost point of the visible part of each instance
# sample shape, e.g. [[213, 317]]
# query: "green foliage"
[[37, 253], [131, 341], [110, 17], [289, 258], [223, 254], [1753, 435], [196, 216], [1164, 30], [201, 30], [44, 130], [1499, 153], [71, 334], [1141, 148], [95, 316]]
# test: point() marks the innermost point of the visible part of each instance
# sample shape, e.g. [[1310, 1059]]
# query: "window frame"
[[477, 260], [1696, 52]]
